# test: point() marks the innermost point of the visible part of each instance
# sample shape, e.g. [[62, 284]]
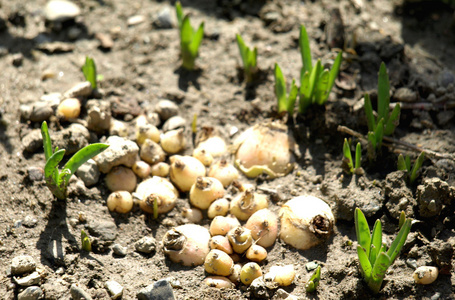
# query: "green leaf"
[[280, 89], [314, 76], [376, 240], [377, 275], [243, 49], [85, 241], [47, 145], [313, 283], [417, 166], [383, 93], [358, 155], [369, 113], [252, 61], [197, 40], [89, 71], [305, 50], [379, 133], [402, 219], [401, 165], [186, 33], [362, 230], [372, 140], [179, 13], [333, 74], [304, 94], [292, 97], [365, 266], [321, 90], [81, 156], [52, 163], [399, 241], [408, 163], [393, 120], [347, 154]]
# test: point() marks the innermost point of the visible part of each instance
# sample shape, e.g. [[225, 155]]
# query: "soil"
[[416, 41]]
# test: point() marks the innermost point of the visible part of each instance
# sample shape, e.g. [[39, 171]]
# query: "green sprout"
[[347, 159], [315, 82], [404, 164], [249, 59], [190, 40], [89, 71], [56, 180], [85, 240], [285, 102], [385, 122], [374, 258], [313, 283]]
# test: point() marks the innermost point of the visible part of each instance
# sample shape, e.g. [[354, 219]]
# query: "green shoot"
[[249, 59], [315, 82], [285, 102], [374, 257], [404, 164], [352, 168], [89, 71], [313, 283], [190, 40], [85, 240], [56, 180], [385, 122]]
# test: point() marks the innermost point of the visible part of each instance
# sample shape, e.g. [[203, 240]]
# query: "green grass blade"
[[376, 240], [89, 71], [47, 145], [377, 274], [417, 166], [322, 90], [333, 74], [314, 76], [365, 266], [402, 219], [358, 155], [383, 93], [197, 40], [305, 50], [52, 163], [304, 98], [243, 49], [362, 230], [81, 156], [347, 154], [179, 13], [369, 113], [399, 241], [372, 140], [407, 160], [401, 165], [393, 120], [186, 33], [280, 89], [292, 97], [379, 133]]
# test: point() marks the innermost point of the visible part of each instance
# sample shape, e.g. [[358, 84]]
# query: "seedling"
[[385, 122], [374, 258], [347, 160], [56, 180], [404, 164], [190, 40], [89, 71], [249, 59], [85, 240], [315, 82], [313, 283], [285, 102]]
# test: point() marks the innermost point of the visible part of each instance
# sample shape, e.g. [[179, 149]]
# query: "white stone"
[[115, 289], [61, 10]]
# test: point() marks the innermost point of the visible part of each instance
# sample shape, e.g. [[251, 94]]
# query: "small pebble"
[[166, 109], [404, 94], [32, 279], [81, 89], [61, 10], [89, 173], [135, 20], [119, 250], [35, 173], [160, 290], [115, 289], [78, 293], [412, 263], [120, 152], [311, 266], [164, 19], [174, 122], [106, 42], [145, 245], [30, 293], [17, 59], [22, 264]]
